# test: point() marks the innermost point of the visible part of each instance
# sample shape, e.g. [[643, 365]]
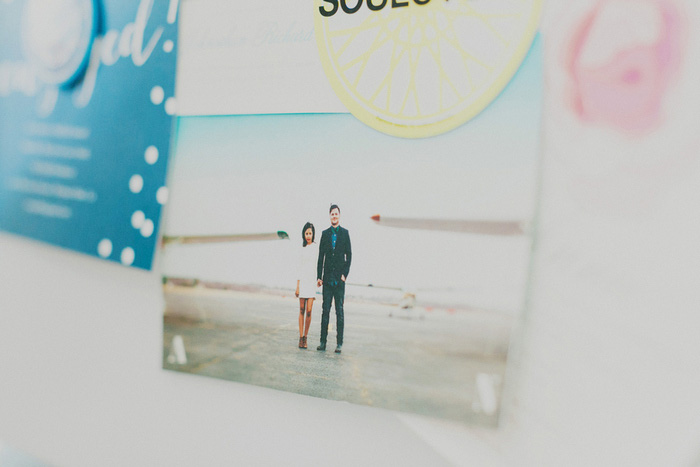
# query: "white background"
[[239, 57], [607, 369]]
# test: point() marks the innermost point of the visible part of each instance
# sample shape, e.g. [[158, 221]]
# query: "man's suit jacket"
[[332, 263]]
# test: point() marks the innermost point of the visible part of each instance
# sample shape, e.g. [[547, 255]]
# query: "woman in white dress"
[[306, 281]]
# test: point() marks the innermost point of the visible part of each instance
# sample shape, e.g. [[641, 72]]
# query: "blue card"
[[86, 114]]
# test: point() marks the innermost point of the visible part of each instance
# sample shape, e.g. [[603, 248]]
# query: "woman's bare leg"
[[302, 307], [309, 306]]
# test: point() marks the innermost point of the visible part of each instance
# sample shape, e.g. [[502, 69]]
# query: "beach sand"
[[416, 360]]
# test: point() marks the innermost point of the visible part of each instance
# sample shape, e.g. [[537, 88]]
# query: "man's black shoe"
[[321, 347], [338, 348]]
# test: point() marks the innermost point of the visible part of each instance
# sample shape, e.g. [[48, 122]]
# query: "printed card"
[[86, 104]]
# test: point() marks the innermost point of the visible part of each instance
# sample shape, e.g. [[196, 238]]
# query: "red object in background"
[[626, 92]]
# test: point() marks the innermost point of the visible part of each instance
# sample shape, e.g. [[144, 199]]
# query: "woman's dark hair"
[[308, 225]]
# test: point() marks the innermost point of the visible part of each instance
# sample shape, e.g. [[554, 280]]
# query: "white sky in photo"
[[251, 174]]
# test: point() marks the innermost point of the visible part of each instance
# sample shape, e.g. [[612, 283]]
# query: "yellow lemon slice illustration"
[[418, 68]]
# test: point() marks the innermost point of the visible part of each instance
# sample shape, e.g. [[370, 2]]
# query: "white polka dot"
[[151, 155], [157, 95], [170, 106], [136, 183], [128, 256], [137, 219], [168, 46], [162, 195], [104, 248], [147, 228]]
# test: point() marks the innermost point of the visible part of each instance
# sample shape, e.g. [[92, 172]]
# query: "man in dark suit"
[[334, 256]]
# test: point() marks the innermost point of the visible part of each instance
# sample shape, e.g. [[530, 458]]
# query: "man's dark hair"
[[308, 225], [333, 206]]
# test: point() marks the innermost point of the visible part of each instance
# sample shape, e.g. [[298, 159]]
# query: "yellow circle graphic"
[[418, 68]]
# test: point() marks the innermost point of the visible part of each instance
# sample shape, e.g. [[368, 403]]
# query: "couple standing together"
[[324, 264]]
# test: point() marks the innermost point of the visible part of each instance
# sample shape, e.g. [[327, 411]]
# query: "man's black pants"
[[333, 291]]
